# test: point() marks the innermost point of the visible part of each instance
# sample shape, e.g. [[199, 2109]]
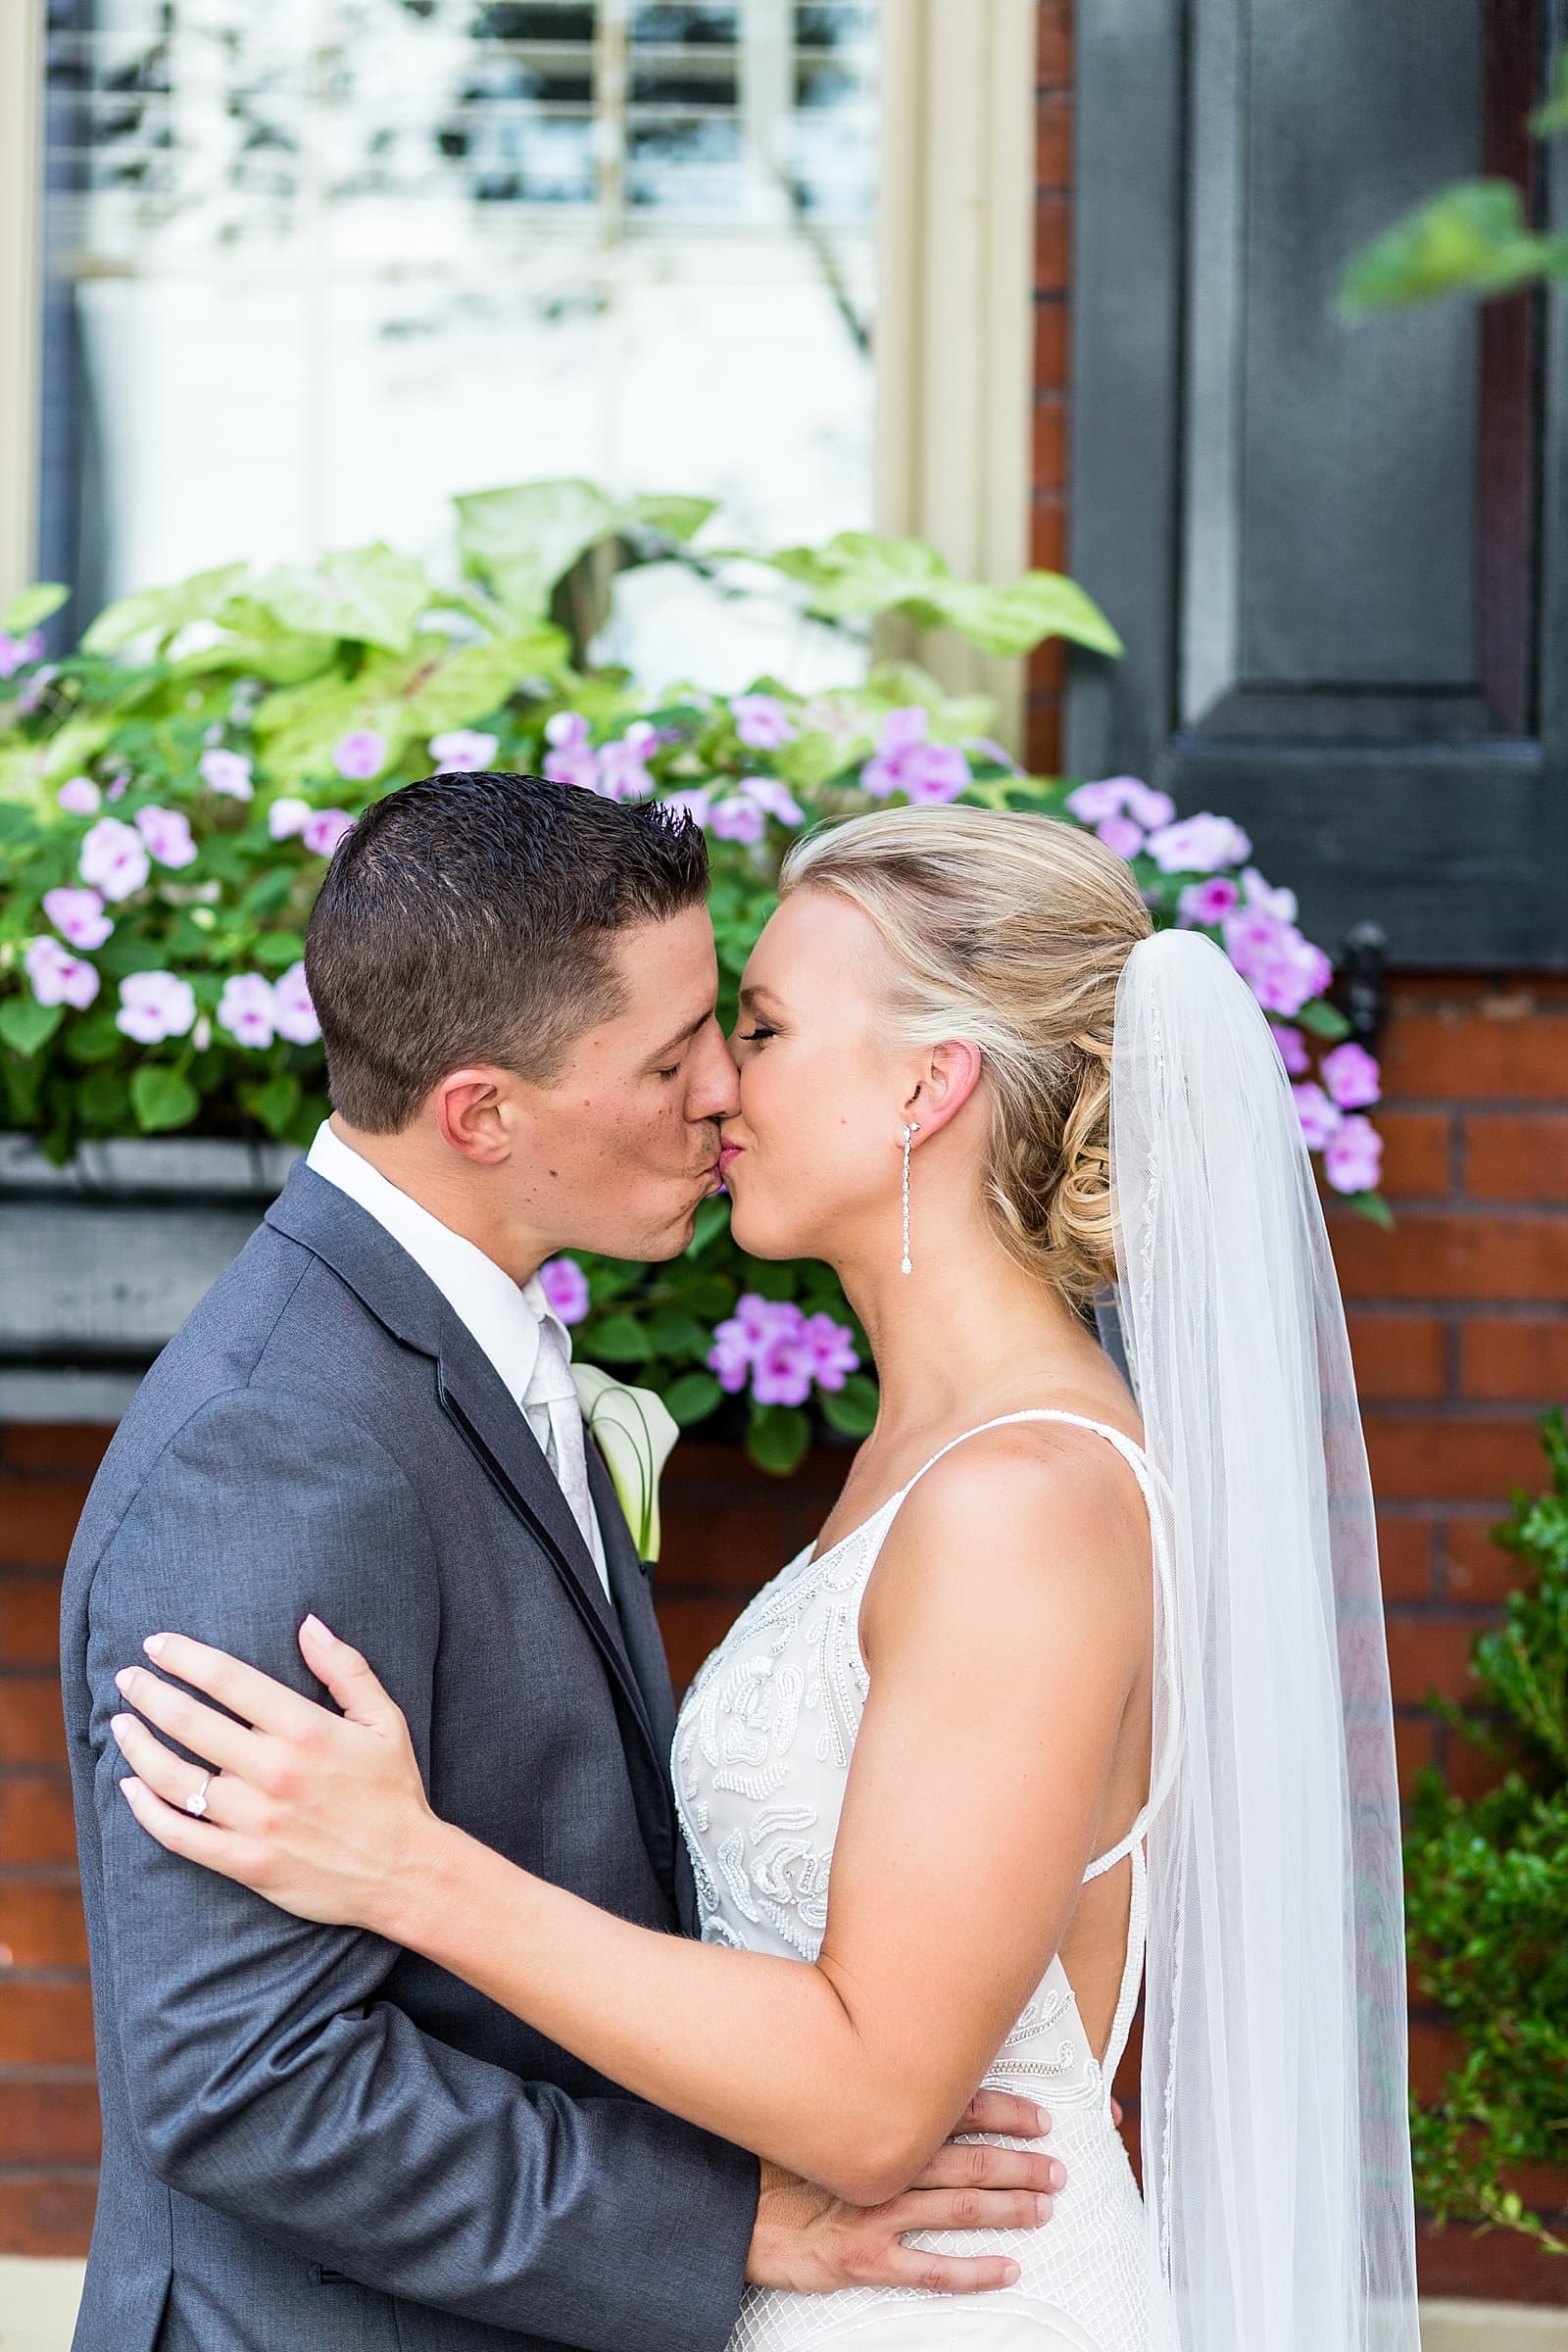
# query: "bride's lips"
[[728, 1152]]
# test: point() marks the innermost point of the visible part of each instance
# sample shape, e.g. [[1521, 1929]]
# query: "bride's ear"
[[949, 1076]]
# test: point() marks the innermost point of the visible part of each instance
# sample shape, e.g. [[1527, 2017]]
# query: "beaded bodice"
[[762, 1755]]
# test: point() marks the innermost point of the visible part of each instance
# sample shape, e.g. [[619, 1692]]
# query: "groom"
[[311, 2137]]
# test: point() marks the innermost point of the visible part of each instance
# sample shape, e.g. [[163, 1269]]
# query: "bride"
[[1056, 1680]]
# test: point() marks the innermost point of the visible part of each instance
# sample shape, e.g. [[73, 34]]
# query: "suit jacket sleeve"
[[266, 2075]]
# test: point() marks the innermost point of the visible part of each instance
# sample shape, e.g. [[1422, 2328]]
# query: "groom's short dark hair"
[[468, 918]]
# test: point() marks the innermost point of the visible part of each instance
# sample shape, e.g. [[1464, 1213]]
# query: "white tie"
[[549, 1402]]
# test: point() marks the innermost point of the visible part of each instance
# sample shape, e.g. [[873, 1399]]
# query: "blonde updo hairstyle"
[[1008, 931]]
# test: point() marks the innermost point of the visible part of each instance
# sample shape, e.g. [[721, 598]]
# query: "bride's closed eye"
[[753, 1037]]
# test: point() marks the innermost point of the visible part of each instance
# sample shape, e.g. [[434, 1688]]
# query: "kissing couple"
[[451, 1992]]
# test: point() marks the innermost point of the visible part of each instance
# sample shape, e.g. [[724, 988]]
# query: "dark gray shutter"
[[1338, 552]]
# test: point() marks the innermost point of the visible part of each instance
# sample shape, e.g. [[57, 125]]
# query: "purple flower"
[[761, 722], [112, 858], [361, 754], [1350, 1073], [566, 1286], [463, 750], [998, 752], [570, 759], [286, 817], [1195, 845], [324, 829], [1284, 970], [1280, 903], [1319, 1117], [833, 1358], [1121, 795], [738, 819], [1121, 834], [15, 650], [775, 799], [623, 764], [1352, 1158], [292, 1009], [166, 833], [153, 1006], [118, 786], [1292, 1048], [80, 796], [247, 1009], [78, 915], [58, 978], [1207, 902], [904, 762], [781, 1350], [33, 691], [736, 1341], [227, 772]]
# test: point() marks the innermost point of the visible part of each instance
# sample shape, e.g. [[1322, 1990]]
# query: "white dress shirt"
[[502, 1316]]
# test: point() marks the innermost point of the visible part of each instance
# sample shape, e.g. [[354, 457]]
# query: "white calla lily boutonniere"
[[634, 1431]]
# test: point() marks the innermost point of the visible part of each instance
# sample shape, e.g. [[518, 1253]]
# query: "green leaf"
[[672, 518], [521, 540], [163, 611], [620, 1338], [276, 951], [474, 681], [371, 594], [1323, 1019], [709, 1295], [676, 1334], [778, 1438], [693, 1397], [275, 1101], [18, 826], [25, 611], [712, 1218], [1373, 1207], [94, 1039], [104, 1102], [859, 574], [850, 1410], [161, 1099], [27, 1025], [1472, 238]]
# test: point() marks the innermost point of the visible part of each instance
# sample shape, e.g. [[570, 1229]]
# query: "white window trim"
[[20, 285], [954, 306], [956, 302]]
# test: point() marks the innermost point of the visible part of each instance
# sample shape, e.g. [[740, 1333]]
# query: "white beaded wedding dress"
[[761, 1758]]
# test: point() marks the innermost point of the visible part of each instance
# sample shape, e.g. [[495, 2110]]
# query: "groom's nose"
[[715, 1089]]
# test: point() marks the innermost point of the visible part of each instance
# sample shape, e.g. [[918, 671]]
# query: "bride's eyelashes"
[[753, 1037]]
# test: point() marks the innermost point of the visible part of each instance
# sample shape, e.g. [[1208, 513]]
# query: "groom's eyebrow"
[[684, 1039]]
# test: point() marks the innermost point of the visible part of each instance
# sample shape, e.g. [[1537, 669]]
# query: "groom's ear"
[[475, 1113], [949, 1076]]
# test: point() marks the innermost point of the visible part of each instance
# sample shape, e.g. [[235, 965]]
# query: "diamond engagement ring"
[[196, 1802]]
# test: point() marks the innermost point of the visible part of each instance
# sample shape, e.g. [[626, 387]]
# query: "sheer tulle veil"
[[1275, 2140]]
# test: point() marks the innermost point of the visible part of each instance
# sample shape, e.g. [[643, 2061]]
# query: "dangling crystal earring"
[[906, 1264]]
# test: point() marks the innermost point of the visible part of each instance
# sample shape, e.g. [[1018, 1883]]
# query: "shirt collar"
[[501, 1315]]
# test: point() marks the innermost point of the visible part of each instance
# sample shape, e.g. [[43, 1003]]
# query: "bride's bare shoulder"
[[1032, 1512]]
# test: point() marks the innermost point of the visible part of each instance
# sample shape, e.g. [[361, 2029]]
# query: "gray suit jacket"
[[311, 2137]]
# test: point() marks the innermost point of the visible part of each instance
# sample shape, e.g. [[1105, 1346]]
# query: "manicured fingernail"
[[1010, 2274], [315, 1622], [126, 1787], [1043, 2206], [154, 1646], [1059, 2175], [120, 1725], [123, 1678], [1041, 2119]]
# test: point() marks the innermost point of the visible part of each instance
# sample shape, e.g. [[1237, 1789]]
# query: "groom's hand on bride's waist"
[[811, 2241]]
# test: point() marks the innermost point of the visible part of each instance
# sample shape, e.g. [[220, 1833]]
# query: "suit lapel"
[[474, 1396]]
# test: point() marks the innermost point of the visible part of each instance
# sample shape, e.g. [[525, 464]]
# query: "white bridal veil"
[[1275, 2139]]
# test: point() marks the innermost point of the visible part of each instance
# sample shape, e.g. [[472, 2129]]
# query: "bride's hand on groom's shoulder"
[[812, 2242]]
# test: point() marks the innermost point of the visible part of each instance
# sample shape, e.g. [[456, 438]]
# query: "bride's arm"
[[1004, 1627]]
